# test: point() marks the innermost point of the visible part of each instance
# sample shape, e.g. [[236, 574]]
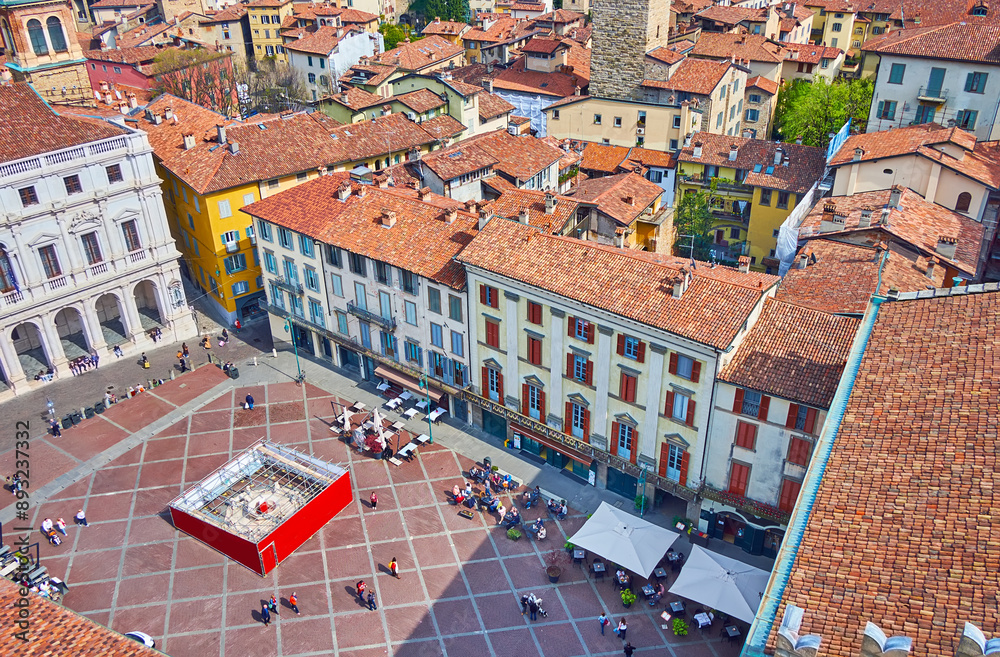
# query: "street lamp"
[[427, 392], [295, 348]]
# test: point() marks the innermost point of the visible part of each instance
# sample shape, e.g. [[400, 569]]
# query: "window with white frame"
[[680, 409], [240, 287], [224, 209]]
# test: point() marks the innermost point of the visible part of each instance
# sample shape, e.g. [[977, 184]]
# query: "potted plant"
[[514, 533], [680, 627], [569, 547], [641, 502], [627, 597], [555, 562]]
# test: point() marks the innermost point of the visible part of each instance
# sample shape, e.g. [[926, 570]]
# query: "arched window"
[[56, 36], [8, 38], [8, 281], [963, 203], [37, 37]]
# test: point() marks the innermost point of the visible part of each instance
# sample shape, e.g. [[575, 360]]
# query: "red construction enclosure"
[[263, 504]]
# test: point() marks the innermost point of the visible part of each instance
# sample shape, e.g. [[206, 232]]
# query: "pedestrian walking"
[[95, 359], [524, 604], [360, 586], [81, 518], [533, 608], [184, 349], [374, 500], [621, 629], [183, 364], [61, 526], [394, 568], [629, 649], [249, 401], [56, 431], [293, 602], [371, 601], [265, 615], [145, 361], [603, 620], [272, 604]]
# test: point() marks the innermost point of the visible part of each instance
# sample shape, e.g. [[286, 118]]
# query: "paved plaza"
[[460, 579]]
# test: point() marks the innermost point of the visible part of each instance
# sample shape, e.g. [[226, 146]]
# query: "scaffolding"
[[251, 495]]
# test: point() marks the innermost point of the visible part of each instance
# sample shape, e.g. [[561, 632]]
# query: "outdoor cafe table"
[[677, 607], [648, 591], [659, 572], [732, 632]]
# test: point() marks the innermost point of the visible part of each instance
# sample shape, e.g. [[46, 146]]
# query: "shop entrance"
[[494, 425], [621, 483]]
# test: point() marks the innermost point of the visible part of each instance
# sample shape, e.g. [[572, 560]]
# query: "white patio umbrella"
[[347, 419], [722, 583], [625, 539]]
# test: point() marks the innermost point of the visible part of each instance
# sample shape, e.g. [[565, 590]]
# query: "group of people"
[[182, 355], [51, 530], [45, 375], [533, 606], [155, 334], [620, 631], [271, 606], [80, 365]]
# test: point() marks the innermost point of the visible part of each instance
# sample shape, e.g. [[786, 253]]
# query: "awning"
[[409, 382], [577, 456]]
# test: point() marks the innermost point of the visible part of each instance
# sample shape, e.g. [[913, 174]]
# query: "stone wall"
[[624, 31], [51, 83]]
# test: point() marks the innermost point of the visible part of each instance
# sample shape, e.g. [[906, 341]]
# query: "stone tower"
[[41, 46], [624, 31]]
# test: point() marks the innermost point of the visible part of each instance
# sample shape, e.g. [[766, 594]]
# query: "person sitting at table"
[[554, 506], [656, 596], [513, 517], [536, 526]]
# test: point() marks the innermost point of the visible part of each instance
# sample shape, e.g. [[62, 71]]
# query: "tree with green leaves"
[[446, 10], [813, 110], [693, 220], [395, 34]]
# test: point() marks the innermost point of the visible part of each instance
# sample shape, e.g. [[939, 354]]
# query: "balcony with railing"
[[933, 94], [387, 323], [721, 184], [759, 509], [63, 156], [289, 285]]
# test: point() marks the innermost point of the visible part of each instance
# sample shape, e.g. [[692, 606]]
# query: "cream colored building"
[[622, 122]]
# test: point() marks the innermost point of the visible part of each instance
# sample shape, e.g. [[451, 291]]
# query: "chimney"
[[866, 217], [858, 154], [829, 221], [930, 267], [803, 260], [733, 152], [745, 264], [157, 118], [488, 85], [343, 190], [484, 218], [234, 147], [522, 216], [423, 193], [946, 247], [550, 203], [576, 90], [189, 142], [132, 101], [629, 200], [220, 131], [894, 197], [104, 86], [340, 32], [168, 113], [678, 289], [697, 149], [343, 97], [388, 217], [785, 160], [451, 215], [779, 152], [362, 190], [798, 140]]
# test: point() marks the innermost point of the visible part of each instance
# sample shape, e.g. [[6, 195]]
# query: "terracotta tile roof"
[[724, 45], [323, 41], [512, 202], [794, 353], [519, 78], [982, 164], [648, 157], [136, 55], [568, 100], [833, 5], [561, 16], [914, 221], [56, 631], [267, 3], [805, 163], [500, 30], [421, 100], [798, 11], [899, 532], [519, 157], [448, 28], [603, 158], [612, 195], [499, 184], [114, 4], [519, 120], [667, 54], [727, 15], [420, 242], [354, 97], [695, 76], [900, 141], [463, 88], [840, 277], [373, 73], [633, 284], [810, 53], [28, 126], [142, 34], [543, 45], [527, 6], [492, 106], [570, 156], [420, 54], [443, 127], [231, 14], [581, 35], [762, 83], [458, 160], [691, 6], [969, 40]]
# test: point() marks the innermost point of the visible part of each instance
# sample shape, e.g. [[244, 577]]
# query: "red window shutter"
[[615, 428], [623, 386], [690, 416], [569, 365], [525, 407], [793, 413], [482, 294], [789, 493], [500, 386], [696, 371], [538, 352], [633, 382], [765, 403], [738, 401], [571, 327], [810, 420], [568, 424], [590, 373], [664, 455], [685, 458], [798, 451], [486, 382], [641, 353], [673, 363], [541, 406], [586, 425], [494, 297], [621, 344], [738, 479], [590, 332], [634, 449], [668, 406]]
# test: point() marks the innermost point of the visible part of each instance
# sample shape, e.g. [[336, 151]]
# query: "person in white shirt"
[[47, 525]]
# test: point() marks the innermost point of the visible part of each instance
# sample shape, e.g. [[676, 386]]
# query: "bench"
[[396, 462]]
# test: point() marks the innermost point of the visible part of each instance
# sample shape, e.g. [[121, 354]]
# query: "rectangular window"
[[493, 334], [114, 172], [437, 335], [264, 230], [579, 420], [336, 285], [306, 246], [72, 184], [684, 367], [896, 73], [366, 334], [312, 279], [383, 273], [411, 351], [130, 230], [534, 350], [976, 82], [248, 198], [718, 120], [270, 262], [631, 348], [457, 345], [489, 296], [50, 261], [454, 308], [967, 119], [752, 115], [410, 311], [582, 329], [597, 119], [360, 298], [789, 493], [316, 313], [92, 248], [224, 209], [679, 407], [581, 368], [434, 300], [385, 304], [235, 263], [626, 437], [28, 196], [783, 200], [197, 203], [746, 435], [751, 403], [626, 388], [334, 257], [285, 238], [230, 237], [357, 264], [388, 341], [240, 287], [409, 281], [342, 322], [618, 121], [738, 476], [765, 197], [886, 109], [494, 384]]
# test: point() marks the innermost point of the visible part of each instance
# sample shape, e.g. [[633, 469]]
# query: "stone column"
[[130, 316], [11, 363], [555, 403], [92, 327], [512, 382], [602, 370], [53, 348], [654, 386]]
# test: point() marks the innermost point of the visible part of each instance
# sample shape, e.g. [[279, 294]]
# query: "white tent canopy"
[[618, 536], [722, 583]]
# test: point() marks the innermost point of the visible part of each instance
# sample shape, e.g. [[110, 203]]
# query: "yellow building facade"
[[265, 27]]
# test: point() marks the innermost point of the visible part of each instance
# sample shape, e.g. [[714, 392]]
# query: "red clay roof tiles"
[[696, 76], [967, 41], [421, 54], [623, 197], [805, 163]]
